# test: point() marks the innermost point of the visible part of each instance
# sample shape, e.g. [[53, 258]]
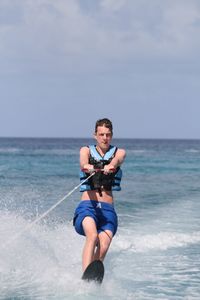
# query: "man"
[[95, 216]]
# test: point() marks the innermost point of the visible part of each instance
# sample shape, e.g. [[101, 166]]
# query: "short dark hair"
[[104, 122]]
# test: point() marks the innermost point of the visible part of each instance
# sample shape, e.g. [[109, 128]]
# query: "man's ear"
[[95, 135]]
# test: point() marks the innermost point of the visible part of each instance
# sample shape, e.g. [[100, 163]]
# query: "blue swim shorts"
[[103, 214]]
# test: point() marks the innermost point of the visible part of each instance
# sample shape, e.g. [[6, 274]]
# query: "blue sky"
[[66, 63]]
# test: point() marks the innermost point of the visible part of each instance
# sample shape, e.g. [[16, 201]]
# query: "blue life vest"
[[100, 180]]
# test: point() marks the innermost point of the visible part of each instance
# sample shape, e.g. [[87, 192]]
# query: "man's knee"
[[92, 237]]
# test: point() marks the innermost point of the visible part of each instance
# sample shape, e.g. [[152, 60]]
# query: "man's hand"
[[109, 169], [88, 168]]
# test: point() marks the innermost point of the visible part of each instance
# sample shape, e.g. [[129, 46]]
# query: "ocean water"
[[156, 251]]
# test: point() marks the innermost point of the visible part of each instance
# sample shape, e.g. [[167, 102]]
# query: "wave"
[[10, 150], [192, 150], [38, 152], [159, 241], [54, 152], [138, 151]]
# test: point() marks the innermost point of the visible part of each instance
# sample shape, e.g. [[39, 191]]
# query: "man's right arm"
[[84, 159]]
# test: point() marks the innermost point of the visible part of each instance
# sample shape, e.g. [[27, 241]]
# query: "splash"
[[159, 241], [43, 263]]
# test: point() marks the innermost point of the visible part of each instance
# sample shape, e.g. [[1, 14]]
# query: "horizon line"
[[122, 138]]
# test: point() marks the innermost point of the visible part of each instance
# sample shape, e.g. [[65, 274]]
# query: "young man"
[[95, 216]]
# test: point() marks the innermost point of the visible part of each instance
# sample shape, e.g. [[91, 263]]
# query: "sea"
[[156, 251]]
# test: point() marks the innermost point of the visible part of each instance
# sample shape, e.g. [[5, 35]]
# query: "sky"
[[66, 63]]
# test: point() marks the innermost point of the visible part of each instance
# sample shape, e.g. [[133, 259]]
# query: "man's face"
[[103, 137]]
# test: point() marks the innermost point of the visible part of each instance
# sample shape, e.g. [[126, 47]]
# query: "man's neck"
[[101, 151]]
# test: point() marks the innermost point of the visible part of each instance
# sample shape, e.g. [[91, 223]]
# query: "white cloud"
[[61, 34], [112, 5]]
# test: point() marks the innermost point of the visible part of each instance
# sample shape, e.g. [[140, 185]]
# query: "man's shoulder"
[[84, 149], [121, 151]]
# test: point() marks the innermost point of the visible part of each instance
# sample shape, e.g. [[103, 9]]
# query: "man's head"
[[103, 133], [104, 122]]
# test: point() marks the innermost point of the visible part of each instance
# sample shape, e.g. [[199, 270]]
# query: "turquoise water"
[[156, 251]]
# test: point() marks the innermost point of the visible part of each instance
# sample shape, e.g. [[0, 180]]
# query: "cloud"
[[113, 5], [63, 35]]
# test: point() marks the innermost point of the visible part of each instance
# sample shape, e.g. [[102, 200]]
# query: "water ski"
[[94, 272]]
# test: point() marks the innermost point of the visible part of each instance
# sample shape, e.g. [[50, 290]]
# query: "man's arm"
[[84, 159], [116, 161]]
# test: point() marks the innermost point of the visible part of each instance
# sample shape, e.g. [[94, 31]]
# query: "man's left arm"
[[116, 161]]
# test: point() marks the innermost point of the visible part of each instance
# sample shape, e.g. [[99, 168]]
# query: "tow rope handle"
[[97, 170]]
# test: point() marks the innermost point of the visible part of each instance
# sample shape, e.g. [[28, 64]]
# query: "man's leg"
[[89, 227], [105, 238]]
